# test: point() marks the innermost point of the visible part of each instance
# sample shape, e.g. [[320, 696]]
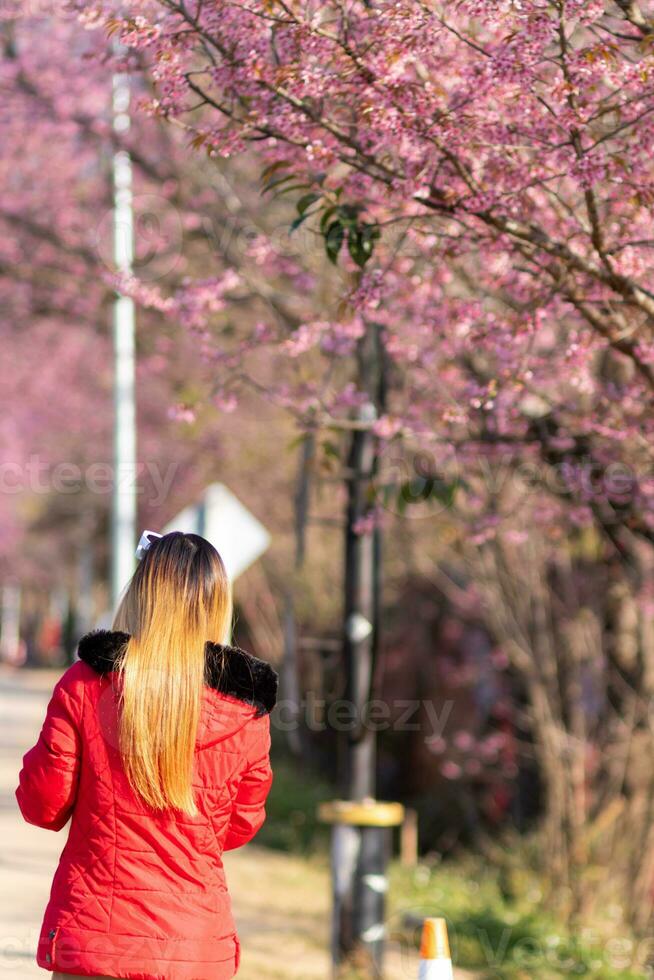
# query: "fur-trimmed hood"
[[227, 669]]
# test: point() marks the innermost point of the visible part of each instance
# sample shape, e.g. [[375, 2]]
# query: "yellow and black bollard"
[[361, 847]]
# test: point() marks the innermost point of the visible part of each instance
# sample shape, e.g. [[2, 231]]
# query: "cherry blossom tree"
[[479, 177]]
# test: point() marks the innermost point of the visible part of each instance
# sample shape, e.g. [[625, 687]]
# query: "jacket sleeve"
[[48, 780], [248, 810]]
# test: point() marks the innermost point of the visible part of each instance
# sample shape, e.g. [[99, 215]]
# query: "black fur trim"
[[102, 649], [227, 669], [232, 671]]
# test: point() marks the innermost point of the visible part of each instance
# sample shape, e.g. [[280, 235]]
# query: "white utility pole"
[[10, 596], [123, 516]]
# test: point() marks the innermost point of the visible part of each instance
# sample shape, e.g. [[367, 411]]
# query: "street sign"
[[223, 520]]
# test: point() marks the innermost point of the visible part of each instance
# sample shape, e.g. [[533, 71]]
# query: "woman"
[[156, 742]]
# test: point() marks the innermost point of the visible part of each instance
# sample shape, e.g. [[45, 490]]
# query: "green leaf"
[[445, 493], [292, 187], [267, 172], [295, 224], [348, 213], [361, 243], [333, 240], [354, 247], [306, 201], [270, 185], [431, 490], [297, 441], [331, 449], [326, 216], [303, 205], [362, 250]]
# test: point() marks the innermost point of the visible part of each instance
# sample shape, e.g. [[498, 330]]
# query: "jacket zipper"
[[50, 955]]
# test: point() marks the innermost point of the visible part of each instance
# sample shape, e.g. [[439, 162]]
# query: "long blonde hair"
[[178, 598]]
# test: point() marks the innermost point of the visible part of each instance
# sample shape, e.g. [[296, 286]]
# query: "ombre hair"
[[178, 599]]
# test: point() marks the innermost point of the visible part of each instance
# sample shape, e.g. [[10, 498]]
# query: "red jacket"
[[140, 893]]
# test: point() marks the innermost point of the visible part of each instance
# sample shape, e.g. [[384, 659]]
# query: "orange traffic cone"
[[435, 960]]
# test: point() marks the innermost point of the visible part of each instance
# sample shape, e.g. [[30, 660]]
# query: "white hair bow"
[[147, 538]]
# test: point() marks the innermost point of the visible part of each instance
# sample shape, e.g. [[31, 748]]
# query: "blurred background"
[[426, 449]]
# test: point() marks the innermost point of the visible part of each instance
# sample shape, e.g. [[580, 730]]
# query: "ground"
[[281, 902]]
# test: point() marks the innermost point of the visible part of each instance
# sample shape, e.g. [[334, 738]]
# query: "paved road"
[[281, 902], [28, 855]]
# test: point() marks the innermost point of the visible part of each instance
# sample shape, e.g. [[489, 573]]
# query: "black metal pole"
[[360, 851], [360, 613]]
